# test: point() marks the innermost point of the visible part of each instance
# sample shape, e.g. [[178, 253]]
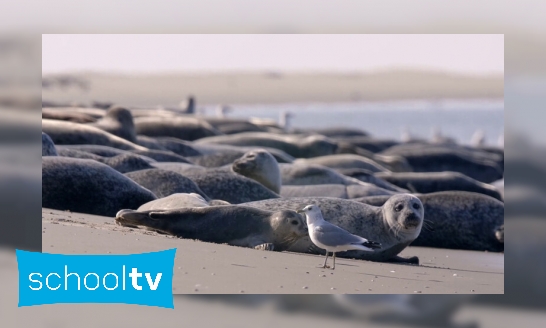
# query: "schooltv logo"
[[143, 279]]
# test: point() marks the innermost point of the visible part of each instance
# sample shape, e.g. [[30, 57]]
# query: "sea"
[[457, 119]]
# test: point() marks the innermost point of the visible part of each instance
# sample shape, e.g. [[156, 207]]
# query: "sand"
[[202, 267]]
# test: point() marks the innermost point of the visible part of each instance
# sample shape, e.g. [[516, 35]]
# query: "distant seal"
[[395, 225], [214, 155], [335, 190], [312, 174], [68, 133], [335, 132], [345, 161], [87, 186], [235, 225], [371, 144], [177, 146], [232, 126], [299, 146], [164, 183], [105, 151], [437, 159], [421, 182], [122, 163], [66, 115], [48, 147], [119, 122], [181, 127], [369, 177], [459, 220]]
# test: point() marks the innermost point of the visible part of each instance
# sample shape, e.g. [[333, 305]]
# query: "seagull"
[[331, 237]]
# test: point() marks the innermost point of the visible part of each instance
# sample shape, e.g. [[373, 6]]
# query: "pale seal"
[[180, 200], [458, 220], [87, 186], [261, 166], [235, 225], [428, 182], [395, 225], [48, 147]]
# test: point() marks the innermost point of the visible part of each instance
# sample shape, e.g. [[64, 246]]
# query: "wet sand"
[[202, 267]]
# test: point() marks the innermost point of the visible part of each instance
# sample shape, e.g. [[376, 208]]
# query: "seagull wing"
[[331, 235]]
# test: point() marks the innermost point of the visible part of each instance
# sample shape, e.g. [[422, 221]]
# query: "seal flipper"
[[409, 260], [265, 247]]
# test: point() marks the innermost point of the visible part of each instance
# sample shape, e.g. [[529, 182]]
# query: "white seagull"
[[331, 237]]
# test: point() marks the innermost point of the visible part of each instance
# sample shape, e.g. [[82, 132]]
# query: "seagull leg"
[[326, 260], [334, 267]]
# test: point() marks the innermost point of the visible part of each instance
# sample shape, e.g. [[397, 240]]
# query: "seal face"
[[261, 166], [235, 225], [404, 214]]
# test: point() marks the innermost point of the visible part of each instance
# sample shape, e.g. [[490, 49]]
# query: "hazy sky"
[[474, 54]]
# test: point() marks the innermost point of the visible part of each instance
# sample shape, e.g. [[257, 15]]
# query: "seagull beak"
[[299, 211]]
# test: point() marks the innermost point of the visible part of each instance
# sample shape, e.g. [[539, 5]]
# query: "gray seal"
[[369, 177], [261, 166], [345, 161], [312, 174], [87, 186], [235, 225], [105, 151], [299, 146], [429, 182], [119, 122], [122, 163], [182, 127], [335, 190], [395, 225], [218, 155], [439, 159], [459, 220], [69, 133], [48, 147], [177, 146], [164, 183]]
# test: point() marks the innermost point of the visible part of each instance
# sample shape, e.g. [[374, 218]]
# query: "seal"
[[369, 177], [219, 155], [261, 166], [235, 225], [175, 201], [123, 163], [69, 133], [87, 186], [373, 145], [105, 151], [119, 122], [335, 190], [66, 115], [232, 126], [459, 219], [395, 225], [164, 183], [429, 182], [181, 127], [257, 165], [443, 158], [299, 146], [177, 146], [312, 174], [48, 147], [345, 161]]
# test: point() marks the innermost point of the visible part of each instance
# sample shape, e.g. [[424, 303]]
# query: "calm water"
[[456, 119]]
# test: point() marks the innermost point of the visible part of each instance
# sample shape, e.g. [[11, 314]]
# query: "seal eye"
[[294, 222], [416, 206], [398, 207]]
